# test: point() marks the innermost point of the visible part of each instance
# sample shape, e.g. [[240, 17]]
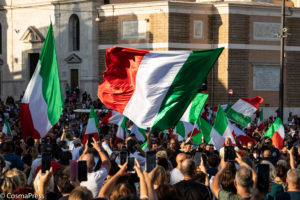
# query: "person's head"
[[50, 183], [62, 180], [228, 141], [243, 179], [267, 153], [10, 184], [188, 168], [268, 143], [174, 144], [227, 178], [81, 193], [179, 159], [293, 179], [167, 191], [18, 173], [7, 147], [250, 146], [124, 186], [213, 160], [159, 176], [89, 157], [281, 169]]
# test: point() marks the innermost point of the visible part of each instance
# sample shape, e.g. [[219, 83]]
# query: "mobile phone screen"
[[46, 162], [123, 157], [82, 171], [150, 161], [90, 141], [73, 170], [230, 154], [198, 158], [263, 177], [130, 164]]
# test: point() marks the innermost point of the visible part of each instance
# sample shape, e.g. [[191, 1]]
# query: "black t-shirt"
[[193, 190], [288, 196]]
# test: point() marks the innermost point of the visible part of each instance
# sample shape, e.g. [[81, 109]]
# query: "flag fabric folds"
[[243, 109], [153, 89], [223, 125], [193, 111], [42, 104], [276, 133]]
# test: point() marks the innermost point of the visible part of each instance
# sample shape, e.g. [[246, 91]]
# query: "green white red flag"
[[42, 104], [6, 128], [276, 133], [242, 111], [92, 126], [223, 125], [154, 89], [183, 130], [210, 134]]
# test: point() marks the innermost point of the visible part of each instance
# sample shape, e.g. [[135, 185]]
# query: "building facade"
[[24, 25], [84, 29]]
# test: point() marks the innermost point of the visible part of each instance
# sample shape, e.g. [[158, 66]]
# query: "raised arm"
[[105, 161]]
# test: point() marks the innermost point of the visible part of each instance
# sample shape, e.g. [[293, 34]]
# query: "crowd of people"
[[182, 170]]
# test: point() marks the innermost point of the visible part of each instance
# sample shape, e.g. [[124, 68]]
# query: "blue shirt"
[[15, 161]]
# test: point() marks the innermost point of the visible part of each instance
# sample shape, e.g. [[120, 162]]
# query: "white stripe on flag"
[[244, 108], [145, 102]]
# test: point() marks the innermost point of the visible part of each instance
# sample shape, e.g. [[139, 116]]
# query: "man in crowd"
[[176, 174], [293, 180]]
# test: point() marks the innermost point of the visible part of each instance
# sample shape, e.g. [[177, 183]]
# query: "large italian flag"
[[154, 89], [276, 133], [210, 134], [42, 104], [242, 111], [92, 126], [223, 125]]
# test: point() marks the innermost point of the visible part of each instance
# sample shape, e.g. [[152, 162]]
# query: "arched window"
[[74, 33], [0, 39]]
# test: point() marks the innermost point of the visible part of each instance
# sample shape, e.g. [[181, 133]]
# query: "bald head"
[[293, 179], [188, 168], [179, 159]]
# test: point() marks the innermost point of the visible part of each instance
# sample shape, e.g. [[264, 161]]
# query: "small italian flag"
[[113, 117], [6, 128], [242, 111], [92, 126], [154, 88], [122, 132], [42, 104], [276, 133], [223, 125], [260, 123], [140, 133], [210, 134]]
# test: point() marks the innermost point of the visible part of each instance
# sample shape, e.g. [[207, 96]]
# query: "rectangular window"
[[198, 29], [266, 31], [134, 29], [266, 77]]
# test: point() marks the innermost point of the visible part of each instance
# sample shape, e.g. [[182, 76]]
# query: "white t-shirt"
[[176, 176], [95, 181]]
